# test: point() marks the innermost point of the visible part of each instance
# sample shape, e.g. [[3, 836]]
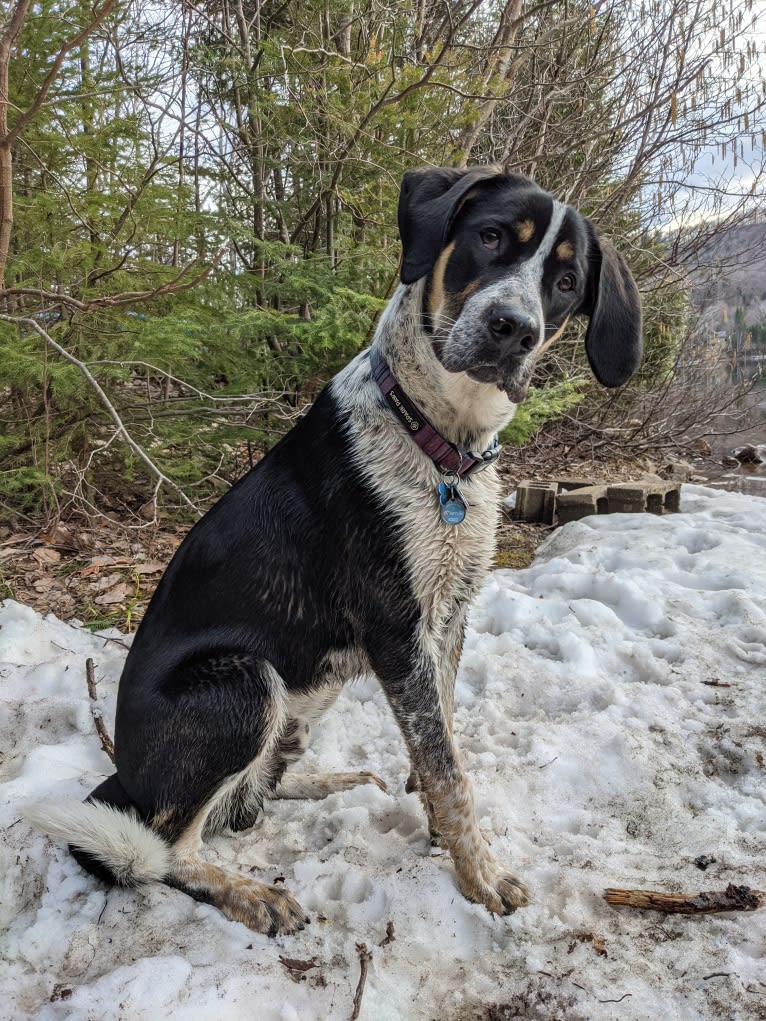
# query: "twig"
[[103, 733], [733, 898], [389, 937], [364, 962]]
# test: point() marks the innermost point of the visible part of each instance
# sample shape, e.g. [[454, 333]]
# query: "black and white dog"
[[354, 546]]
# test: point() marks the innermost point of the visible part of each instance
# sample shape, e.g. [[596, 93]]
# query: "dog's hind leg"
[[206, 752], [302, 711], [235, 803], [260, 906], [315, 786]]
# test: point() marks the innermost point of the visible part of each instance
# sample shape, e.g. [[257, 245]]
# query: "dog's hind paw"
[[268, 909], [315, 786]]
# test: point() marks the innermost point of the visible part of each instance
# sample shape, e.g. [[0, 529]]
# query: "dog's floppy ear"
[[613, 341], [428, 203]]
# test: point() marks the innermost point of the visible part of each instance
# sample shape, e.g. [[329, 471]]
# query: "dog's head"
[[507, 266]]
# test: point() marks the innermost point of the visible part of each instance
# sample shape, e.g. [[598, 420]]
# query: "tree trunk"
[[496, 69], [10, 30]]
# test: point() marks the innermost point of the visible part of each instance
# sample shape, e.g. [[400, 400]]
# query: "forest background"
[[197, 213]]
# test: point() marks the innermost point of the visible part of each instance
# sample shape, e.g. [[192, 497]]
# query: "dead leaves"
[[297, 969], [99, 574], [598, 943]]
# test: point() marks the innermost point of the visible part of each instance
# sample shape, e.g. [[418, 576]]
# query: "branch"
[[114, 300], [364, 963], [39, 99], [106, 741], [83, 368], [733, 898]]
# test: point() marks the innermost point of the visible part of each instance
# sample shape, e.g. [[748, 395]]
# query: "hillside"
[[731, 274]]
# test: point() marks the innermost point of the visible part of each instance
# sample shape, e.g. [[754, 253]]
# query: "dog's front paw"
[[487, 882]]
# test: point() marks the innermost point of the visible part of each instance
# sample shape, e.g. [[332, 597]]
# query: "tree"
[[272, 137]]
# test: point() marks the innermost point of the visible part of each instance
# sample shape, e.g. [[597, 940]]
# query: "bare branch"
[[96, 386]]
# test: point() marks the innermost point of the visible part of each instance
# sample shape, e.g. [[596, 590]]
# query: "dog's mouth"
[[514, 384], [512, 377]]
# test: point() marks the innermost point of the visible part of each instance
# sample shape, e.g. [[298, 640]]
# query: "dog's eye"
[[567, 282], [490, 238]]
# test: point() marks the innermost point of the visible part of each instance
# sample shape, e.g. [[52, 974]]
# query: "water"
[[746, 478]]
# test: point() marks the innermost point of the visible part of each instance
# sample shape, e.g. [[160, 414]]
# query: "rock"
[[678, 471], [751, 453]]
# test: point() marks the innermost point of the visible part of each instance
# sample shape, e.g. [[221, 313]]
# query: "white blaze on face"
[[521, 288]]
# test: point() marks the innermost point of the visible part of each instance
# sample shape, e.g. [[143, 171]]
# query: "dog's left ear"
[[613, 341], [428, 203]]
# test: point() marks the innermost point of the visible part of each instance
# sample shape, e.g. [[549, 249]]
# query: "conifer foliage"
[[197, 202]]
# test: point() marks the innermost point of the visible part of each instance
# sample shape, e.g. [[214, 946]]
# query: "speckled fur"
[[329, 559]]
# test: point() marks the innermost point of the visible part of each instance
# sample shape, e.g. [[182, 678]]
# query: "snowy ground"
[[612, 714]]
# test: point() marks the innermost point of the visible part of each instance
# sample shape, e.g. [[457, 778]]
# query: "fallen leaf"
[[106, 582], [293, 964], [150, 567], [597, 942], [116, 595], [44, 555]]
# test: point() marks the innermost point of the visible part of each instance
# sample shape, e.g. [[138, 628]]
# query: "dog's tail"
[[106, 835]]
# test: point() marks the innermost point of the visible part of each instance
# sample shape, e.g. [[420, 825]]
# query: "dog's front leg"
[[450, 643], [418, 709]]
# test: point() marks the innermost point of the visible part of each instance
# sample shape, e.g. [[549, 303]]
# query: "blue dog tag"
[[452, 506]]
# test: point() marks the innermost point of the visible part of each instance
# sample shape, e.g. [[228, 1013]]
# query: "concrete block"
[[580, 502], [644, 495], [627, 498], [567, 499], [536, 501]]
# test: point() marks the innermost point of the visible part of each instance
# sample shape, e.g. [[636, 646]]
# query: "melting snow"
[[611, 711]]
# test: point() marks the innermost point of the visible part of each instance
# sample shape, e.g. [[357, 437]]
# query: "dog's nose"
[[518, 332]]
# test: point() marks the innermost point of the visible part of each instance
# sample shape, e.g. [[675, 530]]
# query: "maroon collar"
[[449, 459]]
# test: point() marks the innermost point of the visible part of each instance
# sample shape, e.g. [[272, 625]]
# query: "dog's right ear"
[[428, 203]]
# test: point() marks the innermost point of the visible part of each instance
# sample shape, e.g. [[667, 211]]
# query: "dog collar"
[[448, 458]]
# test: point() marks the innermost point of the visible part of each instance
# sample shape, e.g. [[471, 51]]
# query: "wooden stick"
[[733, 898], [103, 733], [364, 962]]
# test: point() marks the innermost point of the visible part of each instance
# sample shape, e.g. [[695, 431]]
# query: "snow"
[[602, 754]]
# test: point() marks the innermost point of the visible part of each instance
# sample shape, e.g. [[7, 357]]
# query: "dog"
[[355, 546]]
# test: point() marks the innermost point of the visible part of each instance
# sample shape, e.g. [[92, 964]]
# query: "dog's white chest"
[[448, 562]]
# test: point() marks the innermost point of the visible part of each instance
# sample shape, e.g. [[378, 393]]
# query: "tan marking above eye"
[[524, 230], [565, 250]]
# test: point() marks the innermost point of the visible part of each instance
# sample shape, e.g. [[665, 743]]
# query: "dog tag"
[[452, 506]]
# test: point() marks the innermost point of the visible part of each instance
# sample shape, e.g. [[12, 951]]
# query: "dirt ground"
[[103, 572]]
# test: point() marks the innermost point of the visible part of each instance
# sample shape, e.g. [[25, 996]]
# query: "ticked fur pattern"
[[330, 559]]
